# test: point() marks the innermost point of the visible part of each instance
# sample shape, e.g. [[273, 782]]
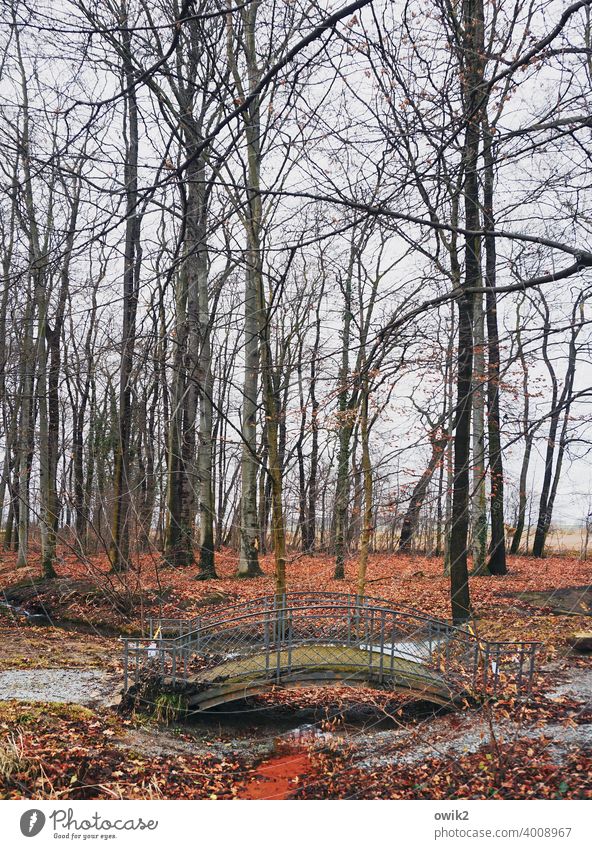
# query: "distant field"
[[560, 540], [564, 540]]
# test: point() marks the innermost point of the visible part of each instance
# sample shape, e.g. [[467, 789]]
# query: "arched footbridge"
[[315, 638]]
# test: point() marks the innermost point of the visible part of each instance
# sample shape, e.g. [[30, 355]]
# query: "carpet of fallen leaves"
[[520, 770], [86, 592], [59, 751], [503, 767], [69, 752]]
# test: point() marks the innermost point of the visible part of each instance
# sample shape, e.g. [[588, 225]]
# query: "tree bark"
[[472, 81], [367, 524], [248, 565], [497, 549], [120, 531], [411, 517]]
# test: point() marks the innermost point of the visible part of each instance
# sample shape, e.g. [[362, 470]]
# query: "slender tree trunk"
[[563, 404], [311, 516], [472, 82], [345, 426], [23, 472], [479, 495], [497, 549], [528, 442], [178, 543], [449, 457], [200, 358], [411, 517], [367, 524], [120, 531], [248, 565]]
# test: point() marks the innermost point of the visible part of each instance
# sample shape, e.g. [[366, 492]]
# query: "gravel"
[[68, 686], [459, 734], [576, 684]]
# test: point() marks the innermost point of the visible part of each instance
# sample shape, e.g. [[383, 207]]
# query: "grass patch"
[[170, 707]]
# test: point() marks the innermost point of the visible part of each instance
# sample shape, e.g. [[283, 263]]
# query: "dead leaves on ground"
[[66, 752]]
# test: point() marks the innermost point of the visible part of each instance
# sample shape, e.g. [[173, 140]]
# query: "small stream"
[[279, 774], [28, 617], [44, 619]]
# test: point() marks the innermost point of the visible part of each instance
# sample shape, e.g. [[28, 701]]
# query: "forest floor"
[[61, 735]]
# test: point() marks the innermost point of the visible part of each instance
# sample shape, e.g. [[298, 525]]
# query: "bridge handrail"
[[423, 618], [217, 612], [405, 613], [278, 619]]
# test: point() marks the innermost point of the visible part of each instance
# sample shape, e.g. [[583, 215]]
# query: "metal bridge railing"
[[177, 627], [271, 638]]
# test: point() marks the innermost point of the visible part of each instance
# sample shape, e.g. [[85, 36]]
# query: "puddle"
[[306, 735], [276, 778]]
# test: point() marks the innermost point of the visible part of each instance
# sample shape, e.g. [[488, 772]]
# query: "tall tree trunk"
[[120, 531], [544, 518], [207, 566], [200, 381], [449, 455], [367, 523], [551, 478], [497, 549], [178, 542], [479, 495], [25, 429], [311, 514], [528, 442], [248, 565], [472, 80], [345, 427], [411, 517], [302, 503]]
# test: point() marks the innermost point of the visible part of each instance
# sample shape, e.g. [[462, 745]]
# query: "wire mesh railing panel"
[[176, 627], [336, 631], [508, 667]]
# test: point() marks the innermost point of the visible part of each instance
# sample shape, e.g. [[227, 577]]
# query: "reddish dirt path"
[[276, 778]]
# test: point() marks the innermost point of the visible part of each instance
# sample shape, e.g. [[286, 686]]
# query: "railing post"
[[125, 663], [486, 665], [498, 650], [198, 631], [531, 673], [519, 674], [381, 672], [290, 636], [393, 637], [266, 641], [349, 621]]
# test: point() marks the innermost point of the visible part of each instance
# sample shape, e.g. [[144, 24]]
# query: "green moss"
[[33, 713]]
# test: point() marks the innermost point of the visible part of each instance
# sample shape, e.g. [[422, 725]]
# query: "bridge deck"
[[237, 677]]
